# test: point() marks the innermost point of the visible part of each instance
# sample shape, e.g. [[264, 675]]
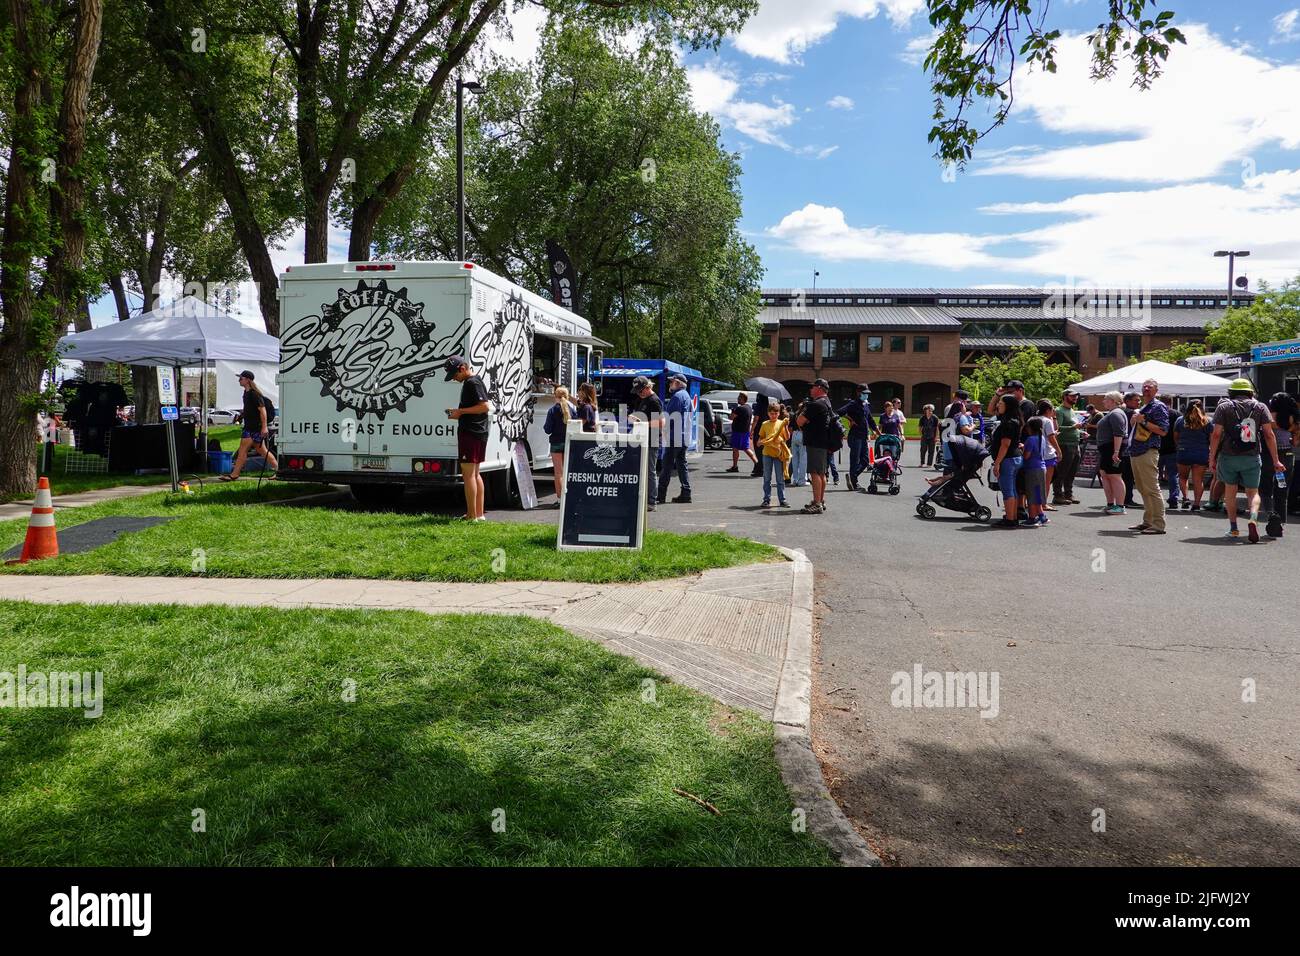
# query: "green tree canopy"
[[1173, 354], [1028, 365], [1274, 315]]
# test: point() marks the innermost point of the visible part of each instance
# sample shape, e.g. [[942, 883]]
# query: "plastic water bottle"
[[1279, 479]]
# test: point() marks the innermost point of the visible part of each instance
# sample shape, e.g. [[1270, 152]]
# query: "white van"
[[362, 393]]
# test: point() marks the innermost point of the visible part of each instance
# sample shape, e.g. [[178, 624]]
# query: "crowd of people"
[[1034, 448], [1246, 446]]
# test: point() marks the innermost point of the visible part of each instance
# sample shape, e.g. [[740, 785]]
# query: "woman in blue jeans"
[[1007, 459]]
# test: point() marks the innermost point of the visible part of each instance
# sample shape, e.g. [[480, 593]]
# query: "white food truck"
[[362, 393]]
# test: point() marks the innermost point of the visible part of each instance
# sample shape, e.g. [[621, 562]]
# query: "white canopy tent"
[[186, 333], [1173, 380]]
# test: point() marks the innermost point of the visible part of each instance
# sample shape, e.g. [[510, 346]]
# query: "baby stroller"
[[953, 494], [885, 469]]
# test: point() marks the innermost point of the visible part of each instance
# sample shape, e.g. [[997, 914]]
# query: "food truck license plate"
[[370, 462]]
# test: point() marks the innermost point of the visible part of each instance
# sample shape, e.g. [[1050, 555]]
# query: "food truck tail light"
[[305, 463], [426, 466]]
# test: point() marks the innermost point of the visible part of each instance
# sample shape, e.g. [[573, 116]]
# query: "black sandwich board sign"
[[1088, 460], [604, 500]]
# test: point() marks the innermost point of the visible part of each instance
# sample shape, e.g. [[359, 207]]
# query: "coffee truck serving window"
[[545, 363]]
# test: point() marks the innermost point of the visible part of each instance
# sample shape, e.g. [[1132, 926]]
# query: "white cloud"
[[1286, 26], [1214, 106], [518, 36], [713, 91], [917, 48], [840, 103], [783, 29], [760, 121], [1160, 236], [822, 231]]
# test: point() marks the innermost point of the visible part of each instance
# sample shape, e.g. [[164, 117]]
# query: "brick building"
[[916, 343]]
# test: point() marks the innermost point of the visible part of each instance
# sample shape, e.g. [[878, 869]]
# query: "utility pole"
[[461, 86], [1232, 258]]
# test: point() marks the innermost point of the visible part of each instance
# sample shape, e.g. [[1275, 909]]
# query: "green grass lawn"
[[70, 484], [456, 721], [242, 536]]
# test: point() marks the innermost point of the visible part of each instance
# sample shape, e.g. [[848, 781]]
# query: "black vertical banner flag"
[[563, 280]]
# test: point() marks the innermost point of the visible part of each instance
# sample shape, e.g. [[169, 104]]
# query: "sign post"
[[603, 504], [167, 398]]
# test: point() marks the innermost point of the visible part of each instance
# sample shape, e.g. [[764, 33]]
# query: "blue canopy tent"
[[614, 379]]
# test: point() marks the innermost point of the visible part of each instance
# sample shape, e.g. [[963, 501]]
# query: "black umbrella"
[[768, 387]]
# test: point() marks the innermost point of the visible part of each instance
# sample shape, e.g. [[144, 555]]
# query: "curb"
[[792, 716]]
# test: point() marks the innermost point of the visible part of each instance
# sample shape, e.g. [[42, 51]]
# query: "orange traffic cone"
[[42, 540]]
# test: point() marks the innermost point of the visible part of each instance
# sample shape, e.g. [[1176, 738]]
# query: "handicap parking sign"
[[169, 413]]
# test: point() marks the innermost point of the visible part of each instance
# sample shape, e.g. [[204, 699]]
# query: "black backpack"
[[270, 408], [834, 433]]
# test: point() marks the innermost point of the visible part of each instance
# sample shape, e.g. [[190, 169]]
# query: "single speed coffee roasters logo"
[[371, 348]]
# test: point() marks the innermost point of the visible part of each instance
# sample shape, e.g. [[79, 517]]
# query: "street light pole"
[[1232, 260], [461, 86], [815, 275]]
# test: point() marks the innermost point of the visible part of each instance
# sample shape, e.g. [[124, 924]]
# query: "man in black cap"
[[257, 427], [648, 408], [471, 419], [1028, 409]]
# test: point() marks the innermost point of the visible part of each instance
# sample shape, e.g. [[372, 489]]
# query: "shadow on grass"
[[1033, 804]]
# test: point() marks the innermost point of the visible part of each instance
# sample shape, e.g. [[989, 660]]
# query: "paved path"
[[23, 509], [723, 632]]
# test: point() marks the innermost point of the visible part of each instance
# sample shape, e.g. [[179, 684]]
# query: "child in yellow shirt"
[[774, 440]]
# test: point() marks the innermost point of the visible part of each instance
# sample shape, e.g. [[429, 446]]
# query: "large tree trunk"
[[119, 296], [33, 324], [144, 385], [19, 364]]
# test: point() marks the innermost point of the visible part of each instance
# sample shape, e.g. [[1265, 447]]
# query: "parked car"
[[188, 413], [224, 416]]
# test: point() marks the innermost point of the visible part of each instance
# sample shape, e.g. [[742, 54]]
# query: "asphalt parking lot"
[[1120, 734]]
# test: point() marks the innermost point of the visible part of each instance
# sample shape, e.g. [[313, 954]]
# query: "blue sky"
[[1088, 182]]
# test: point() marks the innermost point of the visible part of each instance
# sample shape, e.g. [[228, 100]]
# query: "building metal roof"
[[1155, 320], [1007, 292], [1005, 342], [849, 317], [1001, 313]]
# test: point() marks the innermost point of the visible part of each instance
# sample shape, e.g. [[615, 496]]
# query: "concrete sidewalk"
[[723, 632], [22, 509]]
